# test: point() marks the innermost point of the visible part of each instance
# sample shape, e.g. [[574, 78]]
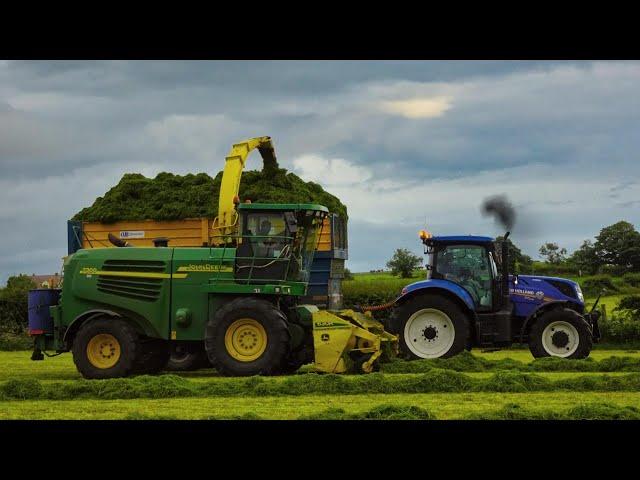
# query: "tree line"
[[615, 249]]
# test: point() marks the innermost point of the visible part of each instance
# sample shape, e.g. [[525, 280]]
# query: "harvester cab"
[[276, 241], [470, 299], [234, 305]]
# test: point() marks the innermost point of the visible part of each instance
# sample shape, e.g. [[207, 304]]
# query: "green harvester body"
[[170, 293]]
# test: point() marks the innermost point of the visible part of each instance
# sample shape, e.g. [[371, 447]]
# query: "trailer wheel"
[[105, 347], [153, 355], [187, 357], [431, 326], [247, 336], [560, 332]]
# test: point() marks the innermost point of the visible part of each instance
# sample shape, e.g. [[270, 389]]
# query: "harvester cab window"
[[468, 266], [265, 248], [267, 234]]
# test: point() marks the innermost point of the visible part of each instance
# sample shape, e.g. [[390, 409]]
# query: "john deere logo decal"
[[205, 267]]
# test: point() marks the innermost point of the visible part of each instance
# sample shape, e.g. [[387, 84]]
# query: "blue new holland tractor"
[[469, 299]]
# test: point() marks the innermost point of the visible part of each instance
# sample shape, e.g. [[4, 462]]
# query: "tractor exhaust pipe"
[[505, 269]]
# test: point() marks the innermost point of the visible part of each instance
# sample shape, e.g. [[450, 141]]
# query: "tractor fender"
[[450, 289], [77, 322], [542, 309]]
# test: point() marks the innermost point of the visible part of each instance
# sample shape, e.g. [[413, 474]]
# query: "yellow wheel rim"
[[103, 351], [245, 340]]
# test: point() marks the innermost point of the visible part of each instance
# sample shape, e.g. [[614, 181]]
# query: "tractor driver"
[[450, 268]]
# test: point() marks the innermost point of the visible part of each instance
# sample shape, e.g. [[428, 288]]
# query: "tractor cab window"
[[469, 267]]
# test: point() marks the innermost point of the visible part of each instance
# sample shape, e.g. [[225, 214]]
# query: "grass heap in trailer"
[[175, 197]]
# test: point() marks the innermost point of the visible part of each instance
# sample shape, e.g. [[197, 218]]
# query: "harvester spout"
[[226, 221]]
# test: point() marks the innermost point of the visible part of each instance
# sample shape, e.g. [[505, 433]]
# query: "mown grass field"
[[505, 384], [440, 393]]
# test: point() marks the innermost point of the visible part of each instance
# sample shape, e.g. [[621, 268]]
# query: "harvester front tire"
[[560, 332], [431, 326], [247, 336], [105, 336]]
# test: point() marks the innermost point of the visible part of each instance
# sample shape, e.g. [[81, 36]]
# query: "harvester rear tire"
[[575, 329], [269, 360], [451, 314], [127, 341]]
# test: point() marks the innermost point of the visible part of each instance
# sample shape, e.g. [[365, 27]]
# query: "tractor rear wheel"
[[247, 336], [430, 326], [105, 347], [560, 332], [187, 357]]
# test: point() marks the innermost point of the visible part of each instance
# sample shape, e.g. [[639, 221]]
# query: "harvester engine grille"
[[142, 288]]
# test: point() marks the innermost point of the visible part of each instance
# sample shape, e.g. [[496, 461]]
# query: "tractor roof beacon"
[[234, 306], [470, 299]]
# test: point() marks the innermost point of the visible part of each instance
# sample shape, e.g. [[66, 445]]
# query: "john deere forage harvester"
[[121, 309]]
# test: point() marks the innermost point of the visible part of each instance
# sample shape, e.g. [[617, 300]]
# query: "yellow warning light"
[[424, 234]]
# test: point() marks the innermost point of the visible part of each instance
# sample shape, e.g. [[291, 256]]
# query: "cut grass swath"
[[467, 362], [432, 381]]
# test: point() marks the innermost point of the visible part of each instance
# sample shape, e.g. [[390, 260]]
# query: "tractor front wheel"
[[431, 326], [560, 332], [247, 336]]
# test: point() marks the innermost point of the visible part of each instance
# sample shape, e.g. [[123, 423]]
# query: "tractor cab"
[[276, 242], [477, 264], [470, 262]]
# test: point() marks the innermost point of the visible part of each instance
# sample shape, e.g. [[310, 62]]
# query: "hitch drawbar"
[[345, 340]]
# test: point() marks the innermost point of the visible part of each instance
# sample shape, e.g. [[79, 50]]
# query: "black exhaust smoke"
[[501, 209], [503, 212]]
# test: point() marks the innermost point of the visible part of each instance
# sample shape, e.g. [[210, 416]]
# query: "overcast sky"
[[403, 144]]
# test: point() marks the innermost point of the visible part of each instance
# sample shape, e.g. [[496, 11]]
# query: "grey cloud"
[[628, 204], [293, 77], [81, 125], [623, 185]]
